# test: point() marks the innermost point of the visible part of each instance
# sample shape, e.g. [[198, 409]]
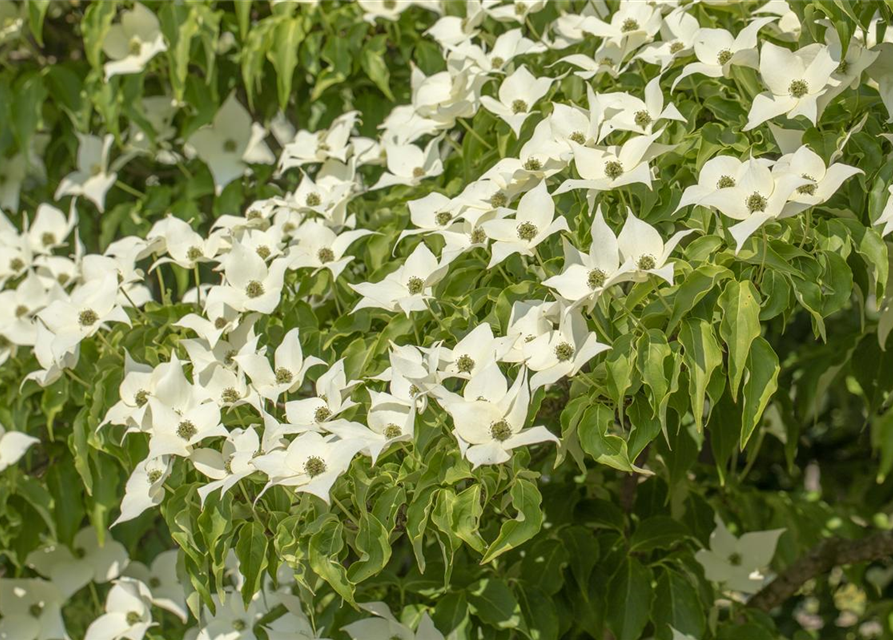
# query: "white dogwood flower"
[[476, 351], [607, 168], [587, 275], [319, 247], [31, 609], [287, 372], [644, 252], [825, 180], [131, 43], [87, 561], [311, 463], [407, 288], [229, 465], [738, 563], [489, 420], [145, 488], [408, 164], [757, 197], [718, 50], [128, 613], [517, 96], [230, 143], [92, 179], [534, 221], [795, 79]]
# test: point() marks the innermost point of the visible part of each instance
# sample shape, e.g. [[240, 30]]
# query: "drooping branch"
[[834, 552]]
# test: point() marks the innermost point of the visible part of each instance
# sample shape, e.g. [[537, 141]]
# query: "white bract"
[[738, 563], [133, 42]]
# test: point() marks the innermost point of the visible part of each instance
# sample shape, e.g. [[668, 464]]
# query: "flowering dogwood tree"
[[446, 319]]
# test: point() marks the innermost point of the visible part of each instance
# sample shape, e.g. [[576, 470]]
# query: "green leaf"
[[677, 604], [372, 547], [702, 355], [243, 15], [372, 60], [658, 532], [526, 500], [284, 55], [540, 614], [629, 600], [494, 603], [94, 27], [761, 383], [698, 284], [739, 327], [325, 556], [251, 550], [37, 10]]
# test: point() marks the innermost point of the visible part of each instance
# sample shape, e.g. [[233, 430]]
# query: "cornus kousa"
[[427, 319]]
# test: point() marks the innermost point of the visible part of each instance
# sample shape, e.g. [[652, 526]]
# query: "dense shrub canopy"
[[437, 319]]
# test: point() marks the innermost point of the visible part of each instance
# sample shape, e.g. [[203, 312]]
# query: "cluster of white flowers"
[[55, 296]]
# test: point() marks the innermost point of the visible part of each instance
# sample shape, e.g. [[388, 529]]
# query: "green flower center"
[[133, 618], [842, 68], [465, 363], [314, 465], [134, 46], [808, 189], [87, 318], [186, 430], [239, 625], [322, 414], [141, 398], [48, 239], [254, 289], [498, 199], [392, 431], [418, 172], [478, 236], [629, 25], [415, 285], [443, 218], [676, 46], [527, 231], [735, 559], [193, 253], [325, 255], [230, 146], [220, 323], [613, 169], [154, 476], [519, 106], [21, 310], [497, 62], [725, 182], [798, 88], [35, 610], [756, 202], [313, 200], [646, 262], [578, 137], [643, 118], [500, 431], [263, 251], [723, 56], [154, 582], [414, 390], [283, 376], [533, 164], [596, 278], [230, 395], [62, 278], [564, 351], [16, 264]]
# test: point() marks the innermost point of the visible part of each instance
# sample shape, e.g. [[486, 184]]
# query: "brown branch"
[[833, 552]]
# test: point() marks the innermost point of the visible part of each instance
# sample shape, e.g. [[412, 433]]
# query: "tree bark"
[[830, 553]]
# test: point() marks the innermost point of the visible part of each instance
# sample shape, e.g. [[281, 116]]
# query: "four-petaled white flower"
[[518, 94], [133, 42], [738, 563], [92, 178]]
